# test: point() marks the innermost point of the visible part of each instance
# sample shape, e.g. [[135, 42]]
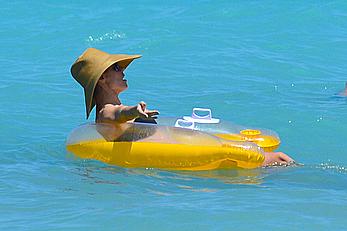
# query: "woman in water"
[[102, 77]]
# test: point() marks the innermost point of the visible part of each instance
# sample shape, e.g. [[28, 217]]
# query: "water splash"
[[114, 35], [333, 167]]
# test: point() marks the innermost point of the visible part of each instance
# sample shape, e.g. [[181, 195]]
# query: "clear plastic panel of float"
[[202, 120], [150, 133]]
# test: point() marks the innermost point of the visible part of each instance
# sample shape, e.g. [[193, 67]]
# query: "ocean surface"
[[270, 64]]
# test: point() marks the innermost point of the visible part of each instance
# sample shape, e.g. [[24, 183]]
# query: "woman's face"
[[113, 78]]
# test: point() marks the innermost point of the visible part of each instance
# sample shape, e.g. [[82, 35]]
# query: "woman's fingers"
[[143, 105], [141, 111], [152, 112]]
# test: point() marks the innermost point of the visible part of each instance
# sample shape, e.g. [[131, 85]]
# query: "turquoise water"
[[272, 64]]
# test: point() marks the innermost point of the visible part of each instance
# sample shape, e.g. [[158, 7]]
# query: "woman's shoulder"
[[108, 112]]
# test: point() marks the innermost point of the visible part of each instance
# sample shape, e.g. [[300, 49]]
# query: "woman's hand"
[[143, 112], [277, 158]]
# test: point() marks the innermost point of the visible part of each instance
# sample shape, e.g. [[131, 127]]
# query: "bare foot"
[[344, 92], [277, 158]]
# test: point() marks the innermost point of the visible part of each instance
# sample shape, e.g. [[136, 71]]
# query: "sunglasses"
[[116, 67]]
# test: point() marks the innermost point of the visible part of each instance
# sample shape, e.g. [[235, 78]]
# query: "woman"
[[102, 77]]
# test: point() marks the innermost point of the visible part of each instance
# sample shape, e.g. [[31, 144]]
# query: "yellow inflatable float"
[[192, 143]]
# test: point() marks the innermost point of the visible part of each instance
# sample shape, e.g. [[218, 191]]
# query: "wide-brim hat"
[[88, 68]]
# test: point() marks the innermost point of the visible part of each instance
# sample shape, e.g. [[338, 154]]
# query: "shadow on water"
[[339, 98]]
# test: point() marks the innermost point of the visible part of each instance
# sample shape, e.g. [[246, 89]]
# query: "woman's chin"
[[120, 90]]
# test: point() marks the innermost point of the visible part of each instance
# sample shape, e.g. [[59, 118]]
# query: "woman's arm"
[[122, 114]]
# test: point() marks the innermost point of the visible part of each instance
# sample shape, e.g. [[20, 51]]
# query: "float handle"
[[184, 124], [208, 116]]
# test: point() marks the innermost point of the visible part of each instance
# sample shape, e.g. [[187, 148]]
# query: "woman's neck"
[[111, 99], [104, 97]]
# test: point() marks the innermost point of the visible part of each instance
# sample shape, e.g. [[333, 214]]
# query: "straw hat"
[[88, 68]]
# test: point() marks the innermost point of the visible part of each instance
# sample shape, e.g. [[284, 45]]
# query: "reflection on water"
[[98, 174], [93, 173], [232, 176], [158, 182]]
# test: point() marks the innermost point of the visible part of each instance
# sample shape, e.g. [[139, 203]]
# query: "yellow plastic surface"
[[267, 142], [169, 156]]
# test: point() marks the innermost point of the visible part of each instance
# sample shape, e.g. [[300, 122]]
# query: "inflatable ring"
[[139, 145]]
